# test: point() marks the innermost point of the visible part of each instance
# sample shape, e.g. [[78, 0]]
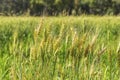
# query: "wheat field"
[[60, 48]]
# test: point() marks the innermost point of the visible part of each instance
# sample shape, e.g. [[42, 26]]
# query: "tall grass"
[[62, 48]]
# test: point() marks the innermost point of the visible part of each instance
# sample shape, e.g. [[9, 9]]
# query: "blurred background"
[[59, 7]]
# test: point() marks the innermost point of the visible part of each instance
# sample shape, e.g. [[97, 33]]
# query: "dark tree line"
[[56, 7]]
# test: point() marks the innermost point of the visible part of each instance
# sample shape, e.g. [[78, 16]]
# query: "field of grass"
[[60, 48]]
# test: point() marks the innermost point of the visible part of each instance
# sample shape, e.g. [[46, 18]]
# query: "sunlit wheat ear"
[[57, 43], [118, 49], [13, 73], [91, 70], [93, 41], [94, 38], [82, 40], [32, 53], [102, 51], [75, 38], [15, 37], [90, 45], [58, 40], [38, 29], [62, 30], [15, 42]]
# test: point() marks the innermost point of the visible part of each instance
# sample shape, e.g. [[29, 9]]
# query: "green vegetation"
[[60, 48]]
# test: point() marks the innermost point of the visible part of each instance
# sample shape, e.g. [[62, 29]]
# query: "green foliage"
[[56, 7]]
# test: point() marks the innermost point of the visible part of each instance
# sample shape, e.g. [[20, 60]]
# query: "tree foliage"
[[55, 7]]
